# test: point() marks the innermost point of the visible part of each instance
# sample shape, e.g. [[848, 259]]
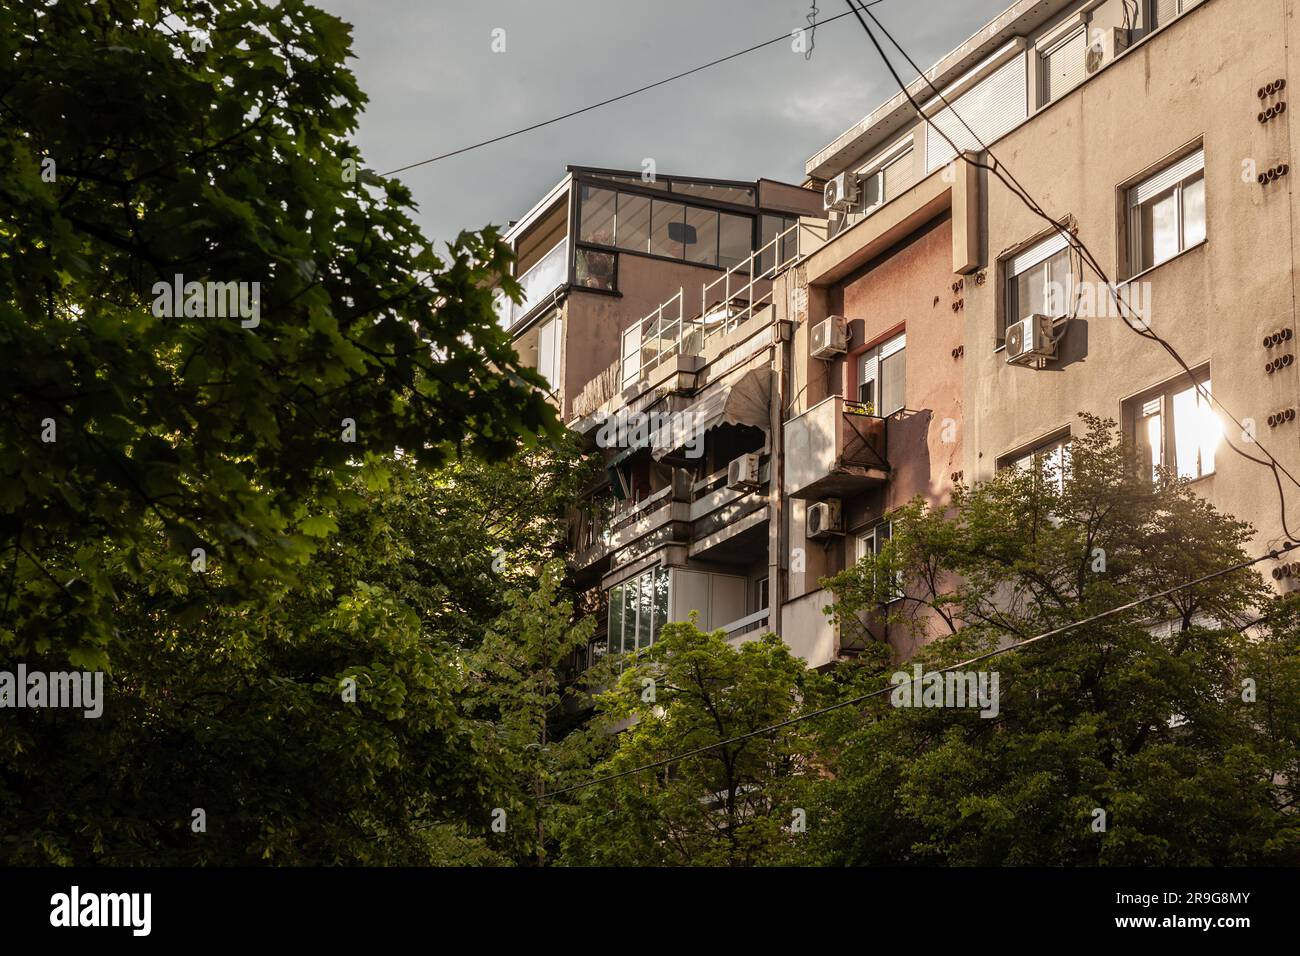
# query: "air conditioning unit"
[[1030, 339], [830, 338], [841, 192], [1104, 46], [825, 519], [742, 473]]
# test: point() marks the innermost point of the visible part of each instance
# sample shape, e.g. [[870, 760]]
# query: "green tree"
[[1139, 715], [735, 804], [141, 142]]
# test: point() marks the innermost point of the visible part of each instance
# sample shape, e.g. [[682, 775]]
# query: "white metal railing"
[[726, 302], [545, 275], [746, 624]]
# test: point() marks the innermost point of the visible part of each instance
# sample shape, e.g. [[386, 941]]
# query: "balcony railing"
[[546, 275], [836, 449], [725, 303]]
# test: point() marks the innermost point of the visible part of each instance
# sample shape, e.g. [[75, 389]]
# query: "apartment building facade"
[[924, 327]]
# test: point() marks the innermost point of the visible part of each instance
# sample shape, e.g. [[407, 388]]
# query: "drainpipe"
[[777, 536]]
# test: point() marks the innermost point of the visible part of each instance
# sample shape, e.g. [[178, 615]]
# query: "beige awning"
[[747, 401]]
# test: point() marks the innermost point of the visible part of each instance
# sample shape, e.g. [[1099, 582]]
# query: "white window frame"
[[876, 169], [1031, 258], [1079, 31], [869, 370], [870, 542], [630, 364], [550, 366], [1034, 457], [1175, 175], [1160, 402]]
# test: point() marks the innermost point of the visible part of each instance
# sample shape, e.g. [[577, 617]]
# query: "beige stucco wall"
[[1196, 80]]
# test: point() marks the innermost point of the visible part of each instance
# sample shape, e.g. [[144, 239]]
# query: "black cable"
[[1009, 180], [1241, 566], [612, 99]]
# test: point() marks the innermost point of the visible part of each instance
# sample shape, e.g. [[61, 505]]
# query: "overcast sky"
[[435, 85]]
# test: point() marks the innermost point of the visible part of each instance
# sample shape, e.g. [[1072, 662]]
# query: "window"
[[550, 344], [870, 544], [667, 222], [701, 238], [1062, 66], [1175, 430], [596, 269], [638, 609], [882, 376], [1051, 460], [735, 240], [785, 250], [1166, 213], [1163, 11], [1040, 281], [633, 233], [760, 595], [883, 180], [631, 355], [598, 208]]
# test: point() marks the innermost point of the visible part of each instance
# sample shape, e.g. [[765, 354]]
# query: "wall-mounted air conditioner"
[[1030, 339], [1104, 46], [841, 193], [829, 338], [825, 519], [742, 473]]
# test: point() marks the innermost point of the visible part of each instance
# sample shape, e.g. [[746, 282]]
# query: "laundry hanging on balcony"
[[746, 401]]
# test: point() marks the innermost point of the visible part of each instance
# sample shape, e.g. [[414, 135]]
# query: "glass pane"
[[893, 383], [615, 633], [645, 610], [629, 615], [1150, 444], [661, 601], [1031, 292], [1059, 292], [1159, 225], [666, 215], [1187, 428], [633, 222], [734, 240], [1194, 211], [702, 227], [1211, 432], [598, 215], [595, 269]]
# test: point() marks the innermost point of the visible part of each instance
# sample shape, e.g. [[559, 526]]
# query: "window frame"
[[1035, 453], [1132, 206], [896, 344], [1162, 397], [657, 609], [1033, 255], [860, 551], [1045, 96]]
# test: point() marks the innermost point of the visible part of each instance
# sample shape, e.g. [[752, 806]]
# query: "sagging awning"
[[746, 401]]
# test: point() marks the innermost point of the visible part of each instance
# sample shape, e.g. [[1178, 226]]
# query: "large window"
[[662, 227], [638, 609], [1175, 430], [1165, 10], [882, 376], [1166, 213], [1040, 281]]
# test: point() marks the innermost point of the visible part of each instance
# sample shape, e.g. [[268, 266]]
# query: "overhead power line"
[[1008, 179], [676, 758], [612, 99]]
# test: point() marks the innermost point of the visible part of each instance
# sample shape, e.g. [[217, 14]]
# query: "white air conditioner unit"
[[742, 473], [829, 338], [1030, 339], [825, 519], [1104, 46], [841, 192]]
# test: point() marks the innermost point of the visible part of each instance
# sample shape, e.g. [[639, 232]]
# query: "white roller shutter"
[[1165, 178], [993, 107], [1063, 65], [899, 175]]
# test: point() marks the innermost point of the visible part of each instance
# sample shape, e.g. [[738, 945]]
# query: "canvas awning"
[[746, 401]]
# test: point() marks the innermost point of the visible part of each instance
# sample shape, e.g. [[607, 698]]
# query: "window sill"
[[1159, 265]]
